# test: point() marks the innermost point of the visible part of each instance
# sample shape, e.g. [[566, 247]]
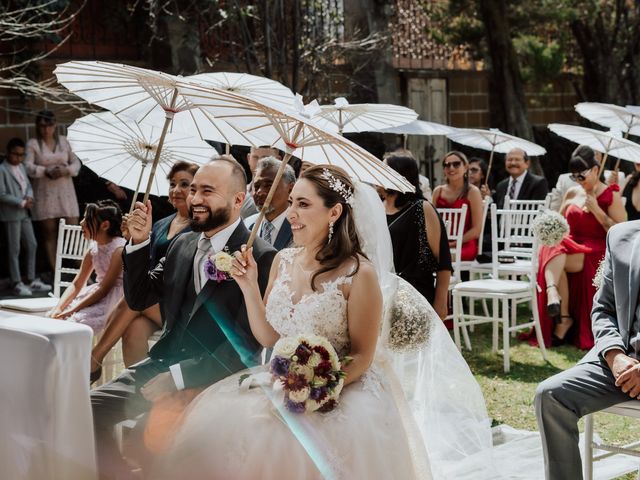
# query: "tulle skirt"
[[231, 433]]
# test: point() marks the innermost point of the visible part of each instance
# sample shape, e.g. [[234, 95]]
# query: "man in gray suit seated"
[[610, 373]]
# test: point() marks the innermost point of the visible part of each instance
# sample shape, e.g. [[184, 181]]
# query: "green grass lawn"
[[509, 396]]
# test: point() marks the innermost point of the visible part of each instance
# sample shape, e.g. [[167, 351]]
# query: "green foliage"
[[540, 61]]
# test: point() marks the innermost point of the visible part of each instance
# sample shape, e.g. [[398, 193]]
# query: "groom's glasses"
[[580, 176]]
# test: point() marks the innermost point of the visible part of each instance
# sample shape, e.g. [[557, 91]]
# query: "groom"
[[610, 372], [206, 334]]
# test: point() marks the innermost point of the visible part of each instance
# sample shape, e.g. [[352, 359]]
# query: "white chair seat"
[[519, 267], [628, 409], [490, 285]]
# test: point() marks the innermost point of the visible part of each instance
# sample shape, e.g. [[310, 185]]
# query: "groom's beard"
[[215, 219]]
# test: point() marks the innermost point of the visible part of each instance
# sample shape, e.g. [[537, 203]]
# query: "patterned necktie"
[[512, 189], [199, 278], [267, 231]]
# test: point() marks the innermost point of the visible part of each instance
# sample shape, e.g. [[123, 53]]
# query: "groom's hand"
[[159, 386], [139, 223]]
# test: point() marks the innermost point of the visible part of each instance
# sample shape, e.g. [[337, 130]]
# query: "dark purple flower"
[[318, 394], [294, 407], [212, 273], [328, 406], [303, 353], [323, 369], [280, 366]]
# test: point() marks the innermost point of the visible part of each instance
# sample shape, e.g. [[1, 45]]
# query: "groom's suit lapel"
[[183, 272], [634, 277], [212, 289]]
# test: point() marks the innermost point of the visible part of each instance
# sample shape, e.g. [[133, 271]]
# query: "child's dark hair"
[[13, 143], [96, 213]]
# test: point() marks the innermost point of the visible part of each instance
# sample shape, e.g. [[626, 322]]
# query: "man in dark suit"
[[275, 227], [206, 334], [520, 184], [610, 372]]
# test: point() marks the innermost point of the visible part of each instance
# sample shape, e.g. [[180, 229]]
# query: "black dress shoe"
[[556, 341], [95, 375]]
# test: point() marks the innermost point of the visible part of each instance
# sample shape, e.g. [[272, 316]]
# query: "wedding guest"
[[304, 166], [610, 372], [90, 304], [254, 155], [456, 192], [521, 184], [566, 271], [198, 310], [564, 183], [421, 252], [135, 327], [478, 176], [51, 164], [275, 228], [631, 194], [16, 199]]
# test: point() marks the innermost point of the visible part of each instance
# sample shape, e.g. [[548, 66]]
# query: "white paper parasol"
[[146, 96], [297, 134], [120, 150], [364, 117], [493, 140], [608, 143]]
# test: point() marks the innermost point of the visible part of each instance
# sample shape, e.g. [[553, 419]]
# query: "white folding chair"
[[630, 408], [69, 253], [499, 291]]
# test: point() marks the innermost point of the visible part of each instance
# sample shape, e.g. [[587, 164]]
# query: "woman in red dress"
[[566, 271], [457, 192]]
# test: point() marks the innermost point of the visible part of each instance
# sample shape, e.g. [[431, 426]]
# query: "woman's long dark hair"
[[96, 213], [584, 158], [463, 159], [408, 168], [345, 243]]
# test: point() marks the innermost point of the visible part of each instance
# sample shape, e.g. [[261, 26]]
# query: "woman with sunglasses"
[[566, 271], [51, 165], [456, 192]]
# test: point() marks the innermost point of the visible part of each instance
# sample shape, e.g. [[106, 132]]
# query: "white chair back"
[[69, 253], [485, 213], [454, 219], [527, 204], [511, 235]]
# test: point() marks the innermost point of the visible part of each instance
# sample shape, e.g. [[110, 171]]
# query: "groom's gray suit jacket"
[[207, 333], [614, 305]]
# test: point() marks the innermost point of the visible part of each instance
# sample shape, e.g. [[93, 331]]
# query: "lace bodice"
[[323, 312]]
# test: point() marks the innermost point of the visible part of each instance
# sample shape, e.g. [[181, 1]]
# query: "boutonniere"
[[218, 267]]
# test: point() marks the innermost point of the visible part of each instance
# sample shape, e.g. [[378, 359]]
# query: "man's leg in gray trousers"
[[560, 402]]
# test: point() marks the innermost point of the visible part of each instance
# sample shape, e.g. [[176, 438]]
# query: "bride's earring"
[[330, 232]]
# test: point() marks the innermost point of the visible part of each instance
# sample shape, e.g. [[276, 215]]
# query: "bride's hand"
[[244, 268]]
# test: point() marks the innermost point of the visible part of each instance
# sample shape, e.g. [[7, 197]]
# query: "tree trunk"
[[508, 104], [184, 41]]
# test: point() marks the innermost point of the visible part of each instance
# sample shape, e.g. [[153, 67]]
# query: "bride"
[[326, 287]]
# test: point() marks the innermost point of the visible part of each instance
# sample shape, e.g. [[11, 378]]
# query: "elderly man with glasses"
[[521, 184]]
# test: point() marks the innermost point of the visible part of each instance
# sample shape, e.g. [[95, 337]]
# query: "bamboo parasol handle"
[[486, 179], [167, 121]]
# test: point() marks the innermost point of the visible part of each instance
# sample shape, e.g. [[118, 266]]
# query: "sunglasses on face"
[[455, 164], [580, 176]]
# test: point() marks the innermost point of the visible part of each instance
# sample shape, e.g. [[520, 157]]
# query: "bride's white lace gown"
[[234, 434]]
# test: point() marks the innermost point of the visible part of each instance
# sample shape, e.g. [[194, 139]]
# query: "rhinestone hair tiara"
[[338, 186]]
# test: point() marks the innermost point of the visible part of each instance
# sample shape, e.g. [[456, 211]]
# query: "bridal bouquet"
[[550, 228], [310, 372]]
